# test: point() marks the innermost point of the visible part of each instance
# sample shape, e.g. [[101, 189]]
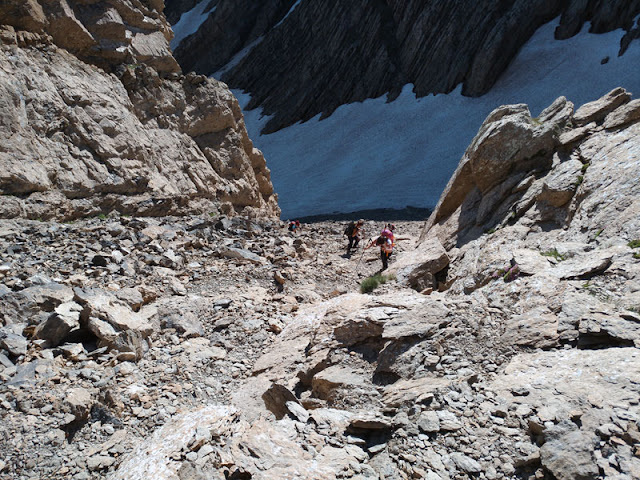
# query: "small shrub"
[[369, 284], [102, 216], [555, 254], [634, 244], [636, 255], [585, 167], [508, 274]]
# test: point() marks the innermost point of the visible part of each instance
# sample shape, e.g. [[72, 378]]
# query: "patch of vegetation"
[[508, 274], [554, 254], [491, 231], [634, 243], [636, 255], [102, 216], [369, 284], [585, 167], [536, 121], [579, 181]]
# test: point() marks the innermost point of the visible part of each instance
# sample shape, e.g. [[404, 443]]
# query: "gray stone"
[[465, 463], [55, 328], [623, 115], [242, 254], [429, 421], [448, 421], [568, 452], [16, 345], [597, 110]]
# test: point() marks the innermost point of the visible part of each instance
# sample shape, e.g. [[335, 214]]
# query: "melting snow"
[[190, 22], [237, 58], [376, 154]]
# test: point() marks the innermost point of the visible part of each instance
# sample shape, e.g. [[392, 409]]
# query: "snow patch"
[[190, 22], [237, 58], [377, 154], [293, 7]]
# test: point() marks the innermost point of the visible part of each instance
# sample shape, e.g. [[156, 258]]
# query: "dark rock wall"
[[328, 53]]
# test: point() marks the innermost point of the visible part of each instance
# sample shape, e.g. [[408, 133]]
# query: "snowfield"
[[376, 154]]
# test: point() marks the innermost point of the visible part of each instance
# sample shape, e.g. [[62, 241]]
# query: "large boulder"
[[509, 145], [418, 268]]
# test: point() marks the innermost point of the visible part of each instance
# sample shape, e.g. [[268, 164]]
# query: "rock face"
[[328, 53], [96, 118]]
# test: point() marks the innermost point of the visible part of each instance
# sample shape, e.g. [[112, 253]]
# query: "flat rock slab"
[[570, 379], [422, 322], [412, 391], [586, 265], [335, 377]]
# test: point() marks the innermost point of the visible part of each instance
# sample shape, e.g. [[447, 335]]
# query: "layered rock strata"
[[101, 120], [328, 53]]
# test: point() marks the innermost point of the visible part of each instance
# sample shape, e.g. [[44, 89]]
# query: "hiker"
[[353, 231], [294, 225], [386, 242]]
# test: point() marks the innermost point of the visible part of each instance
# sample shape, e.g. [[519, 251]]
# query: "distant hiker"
[[353, 233], [294, 225], [386, 242]]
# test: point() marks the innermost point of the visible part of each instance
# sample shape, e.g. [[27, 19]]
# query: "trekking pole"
[[363, 250]]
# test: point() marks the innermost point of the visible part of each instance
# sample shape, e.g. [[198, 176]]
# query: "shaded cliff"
[[96, 117], [325, 54]]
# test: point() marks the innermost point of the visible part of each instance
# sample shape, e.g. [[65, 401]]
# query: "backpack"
[[350, 228], [387, 234]]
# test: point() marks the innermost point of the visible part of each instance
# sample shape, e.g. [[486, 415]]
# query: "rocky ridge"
[[328, 53], [96, 116], [200, 347]]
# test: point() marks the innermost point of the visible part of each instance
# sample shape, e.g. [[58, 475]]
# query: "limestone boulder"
[[58, 325], [537, 328], [597, 110], [561, 183], [623, 115], [508, 146], [568, 453], [418, 268]]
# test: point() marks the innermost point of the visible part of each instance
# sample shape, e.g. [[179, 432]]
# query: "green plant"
[[536, 121], [587, 284], [579, 181], [585, 167], [555, 254], [508, 274], [369, 284], [636, 255], [634, 243], [491, 231]]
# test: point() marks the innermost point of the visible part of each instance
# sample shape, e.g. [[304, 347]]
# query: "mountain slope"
[[329, 53]]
